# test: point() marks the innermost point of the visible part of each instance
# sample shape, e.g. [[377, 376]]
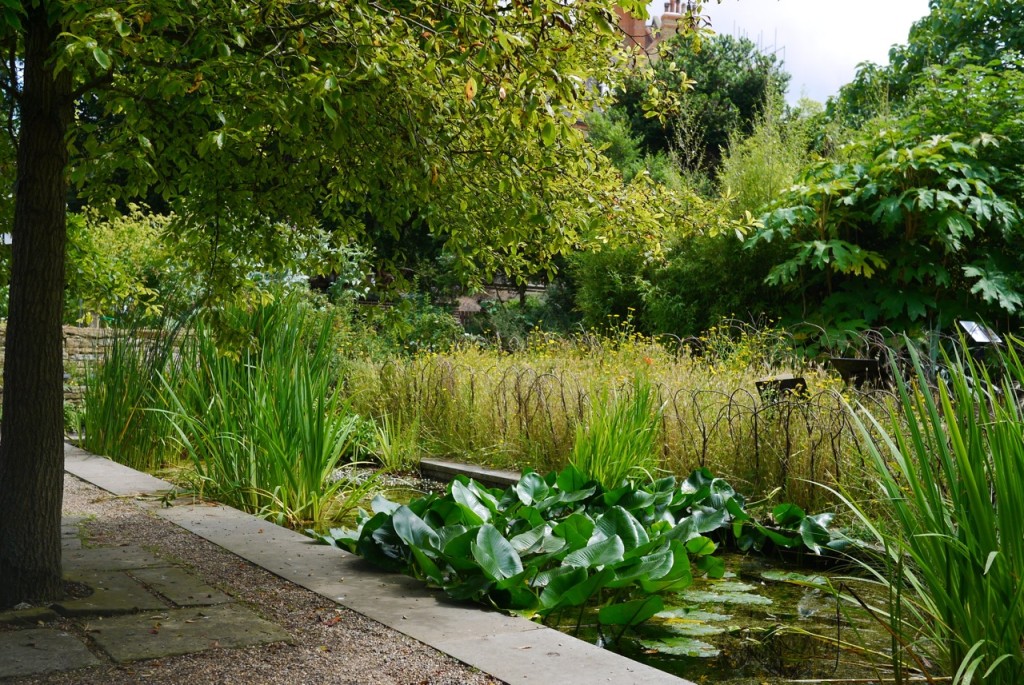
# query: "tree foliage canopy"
[[262, 121], [722, 83], [270, 128]]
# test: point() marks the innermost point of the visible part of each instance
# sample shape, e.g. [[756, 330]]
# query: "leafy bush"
[[550, 543], [412, 324], [118, 268], [915, 222], [759, 166]]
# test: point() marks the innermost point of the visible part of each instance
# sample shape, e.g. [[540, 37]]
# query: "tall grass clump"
[[950, 468], [265, 428], [524, 409], [120, 393], [620, 439]]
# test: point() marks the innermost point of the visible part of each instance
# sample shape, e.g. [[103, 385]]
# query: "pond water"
[[764, 622]]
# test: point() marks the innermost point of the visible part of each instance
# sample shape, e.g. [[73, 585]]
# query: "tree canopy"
[[269, 128], [722, 82]]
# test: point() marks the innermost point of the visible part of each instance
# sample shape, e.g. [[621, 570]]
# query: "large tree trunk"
[[31, 438]]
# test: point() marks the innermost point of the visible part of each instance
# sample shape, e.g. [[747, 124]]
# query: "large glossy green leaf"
[[713, 567], [570, 479], [630, 613], [557, 582], [427, 567], [618, 521], [582, 592], [413, 531], [468, 499], [531, 540], [484, 495], [653, 566], [678, 578], [700, 546], [531, 488], [495, 554], [604, 552], [814, 532], [787, 515], [576, 530], [458, 550]]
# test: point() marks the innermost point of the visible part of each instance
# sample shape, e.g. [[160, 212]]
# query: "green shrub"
[[412, 324], [758, 166]]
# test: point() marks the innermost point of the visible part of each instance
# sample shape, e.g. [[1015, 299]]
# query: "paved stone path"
[[140, 607]]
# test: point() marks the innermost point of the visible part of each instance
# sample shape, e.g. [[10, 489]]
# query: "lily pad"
[[692, 614], [710, 597], [731, 586], [682, 646], [793, 577], [691, 628]]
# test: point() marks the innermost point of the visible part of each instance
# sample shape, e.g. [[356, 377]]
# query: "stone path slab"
[[180, 587], [41, 650], [108, 559], [183, 631], [113, 592]]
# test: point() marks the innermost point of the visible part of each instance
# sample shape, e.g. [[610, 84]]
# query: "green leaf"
[[531, 488], [101, 57], [557, 582], [630, 613], [619, 522], [700, 546], [495, 554], [527, 542], [814, 532], [467, 498], [576, 530], [714, 567], [413, 530], [788, 515], [547, 133], [570, 479], [608, 551]]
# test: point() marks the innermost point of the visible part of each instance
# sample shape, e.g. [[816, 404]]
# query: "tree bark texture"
[[31, 433]]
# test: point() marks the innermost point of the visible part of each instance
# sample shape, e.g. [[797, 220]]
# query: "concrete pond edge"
[[511, 649]]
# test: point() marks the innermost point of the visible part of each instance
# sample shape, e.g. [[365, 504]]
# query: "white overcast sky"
[[820, 41]]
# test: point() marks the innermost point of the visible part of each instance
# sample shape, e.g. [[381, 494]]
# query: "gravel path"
[[331, 644]]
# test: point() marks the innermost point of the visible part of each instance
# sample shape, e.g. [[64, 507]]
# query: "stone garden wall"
[[82, 346]]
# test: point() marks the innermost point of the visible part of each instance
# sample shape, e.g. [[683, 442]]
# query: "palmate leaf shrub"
[[549, 543], [950, 468]]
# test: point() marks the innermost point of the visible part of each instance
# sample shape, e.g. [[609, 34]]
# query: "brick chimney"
[[635, 31], [670, 19]]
